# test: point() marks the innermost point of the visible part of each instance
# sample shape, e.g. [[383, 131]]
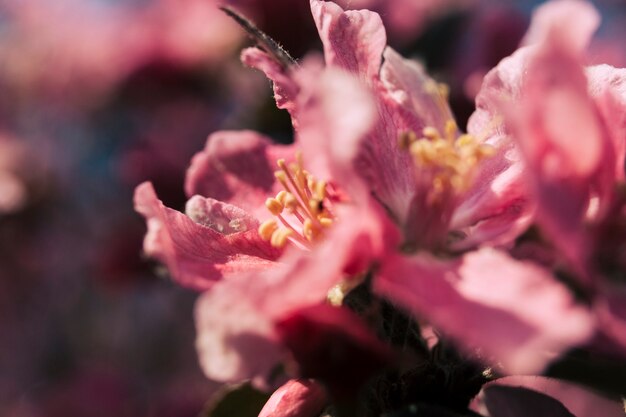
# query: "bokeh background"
[[97, 96]]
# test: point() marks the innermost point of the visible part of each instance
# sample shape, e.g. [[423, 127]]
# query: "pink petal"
[[560, 134], [285, 89], [225, 242], [297, 398], [498, 207], [571, 23], [579, 401], [336, 113], [235, 342], [408, 84], [512, 310], [502, 84], [607, 87], [237, 167], [353, 40], [235, 321]]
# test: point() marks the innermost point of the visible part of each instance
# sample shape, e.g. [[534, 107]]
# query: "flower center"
[[446, 162], [302, 210], [445, 166]]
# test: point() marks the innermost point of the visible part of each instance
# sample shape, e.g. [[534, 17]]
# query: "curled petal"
[[297, 398], [285, 89], [571, 23], [237, 167], [197, 254], [498, 207], [514, 311], [607, 87], [418, 96], [353, 40]]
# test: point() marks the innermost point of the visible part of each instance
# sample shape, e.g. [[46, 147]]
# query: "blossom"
[[569, 125], [448, 185], [384, 177], [263, 257]]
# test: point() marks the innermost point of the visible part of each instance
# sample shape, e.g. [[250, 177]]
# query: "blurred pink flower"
[[76, 50], [569, 122], [23, 174]]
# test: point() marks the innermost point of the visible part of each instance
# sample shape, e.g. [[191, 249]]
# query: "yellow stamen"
[[449, 159], [267, 228], [274, 206], [279, 237], [303, 197]]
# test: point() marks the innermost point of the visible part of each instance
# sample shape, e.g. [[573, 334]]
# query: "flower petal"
[[234, 341], [285, 89], [237, 167], [353, 40], [513, 310], [557, 127], [607, 87], [498, 207], [197, 255], [242, 311], [336, 113], [297, 398], [571, 23], [417, 95]]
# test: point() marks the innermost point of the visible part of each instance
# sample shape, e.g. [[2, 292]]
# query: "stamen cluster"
[[304, 199], [449, 160]]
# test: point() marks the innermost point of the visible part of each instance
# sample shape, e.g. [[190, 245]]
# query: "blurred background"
[[97, 96]]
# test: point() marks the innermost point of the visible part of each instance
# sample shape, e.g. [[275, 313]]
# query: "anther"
[[308, 230], [267, 229], [320, 190], [274, 206], [326, 222], [451, 129], [290, 202], [430, 132], [279, 237], [281, 196]]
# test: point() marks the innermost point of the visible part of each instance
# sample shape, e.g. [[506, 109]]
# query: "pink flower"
[[389, 181], [86, 47], [259, 249], [24, 173], [569, 122], [446, 193]]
